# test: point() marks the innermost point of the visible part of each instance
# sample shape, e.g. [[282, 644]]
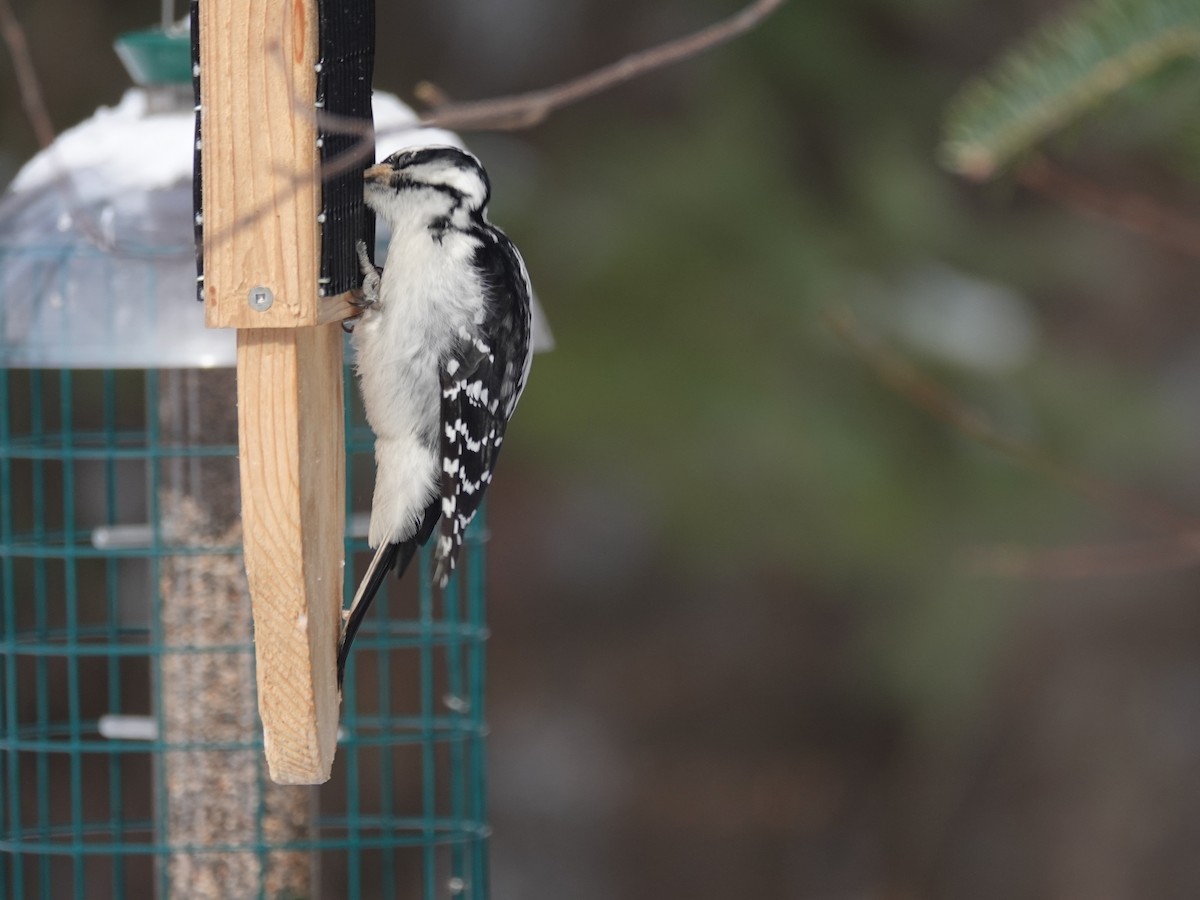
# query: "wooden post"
[[261, 200]]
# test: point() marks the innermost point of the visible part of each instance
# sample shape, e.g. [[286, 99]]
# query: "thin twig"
[[38, 116], [518, 111], [526, 110], [904, 379], [27, 80], [1181, 551], [1133, 211]]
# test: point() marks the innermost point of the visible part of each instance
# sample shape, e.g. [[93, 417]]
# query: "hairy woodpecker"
[[443, 350]]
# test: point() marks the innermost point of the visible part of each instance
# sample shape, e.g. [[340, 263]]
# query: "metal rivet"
[[261, 298]]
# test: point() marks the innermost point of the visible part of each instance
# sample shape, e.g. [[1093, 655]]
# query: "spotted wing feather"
[[481, 380]]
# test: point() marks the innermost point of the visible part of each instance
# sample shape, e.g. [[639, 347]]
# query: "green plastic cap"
[[155, 56]]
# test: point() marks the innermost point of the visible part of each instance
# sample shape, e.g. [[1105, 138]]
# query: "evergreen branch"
[[1062, 70]]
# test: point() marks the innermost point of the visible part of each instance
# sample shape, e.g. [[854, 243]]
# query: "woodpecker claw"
[[367, 297]]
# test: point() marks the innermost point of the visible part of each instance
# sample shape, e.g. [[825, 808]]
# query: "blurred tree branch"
[[1133, 211], [27, 79], [1051, 78], [1062, 69], [521, 111], [904, 379], [1178, 545], [1105, 560], [34, 103]]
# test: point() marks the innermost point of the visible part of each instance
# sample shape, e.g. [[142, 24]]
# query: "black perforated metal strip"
[[344, 89], [197, 176]]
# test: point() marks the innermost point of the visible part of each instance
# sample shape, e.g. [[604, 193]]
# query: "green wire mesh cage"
[[131, 757]]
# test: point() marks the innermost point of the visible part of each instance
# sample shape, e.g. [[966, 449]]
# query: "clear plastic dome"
[[97, 260]]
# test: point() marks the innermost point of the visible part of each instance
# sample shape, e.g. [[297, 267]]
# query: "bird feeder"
[[131, 754], [277, 265]]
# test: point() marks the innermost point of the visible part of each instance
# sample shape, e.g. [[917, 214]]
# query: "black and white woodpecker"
[[443, 349]]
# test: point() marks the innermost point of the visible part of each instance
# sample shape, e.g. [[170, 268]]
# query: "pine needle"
[[1059, 72]]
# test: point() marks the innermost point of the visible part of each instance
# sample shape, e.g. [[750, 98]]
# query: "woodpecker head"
[[427, 183]]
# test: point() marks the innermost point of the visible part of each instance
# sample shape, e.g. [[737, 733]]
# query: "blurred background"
[[763, 624]]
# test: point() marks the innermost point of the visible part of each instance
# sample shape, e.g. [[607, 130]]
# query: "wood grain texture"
[[335, 309], [292, 448], [261, 165], [261, 200]]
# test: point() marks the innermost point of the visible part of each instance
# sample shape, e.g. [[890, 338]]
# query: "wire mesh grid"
[[130, 752]]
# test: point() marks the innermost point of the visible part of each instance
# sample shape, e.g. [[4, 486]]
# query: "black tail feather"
[[381, 564], [397, 555]]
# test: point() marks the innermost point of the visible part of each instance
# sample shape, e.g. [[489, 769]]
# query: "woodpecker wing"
[[481, 380]]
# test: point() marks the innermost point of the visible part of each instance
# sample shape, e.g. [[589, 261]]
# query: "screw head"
[[261, 298]]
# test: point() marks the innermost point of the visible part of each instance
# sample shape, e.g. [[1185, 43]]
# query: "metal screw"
[[261, 298]]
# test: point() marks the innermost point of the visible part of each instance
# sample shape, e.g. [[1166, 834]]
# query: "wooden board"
[[291, 444], [261, 199]]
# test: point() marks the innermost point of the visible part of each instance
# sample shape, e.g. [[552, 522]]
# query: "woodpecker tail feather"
[[388, 556], [381, 564]]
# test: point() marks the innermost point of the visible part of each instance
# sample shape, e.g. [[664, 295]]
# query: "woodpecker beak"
[[377, 174]]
